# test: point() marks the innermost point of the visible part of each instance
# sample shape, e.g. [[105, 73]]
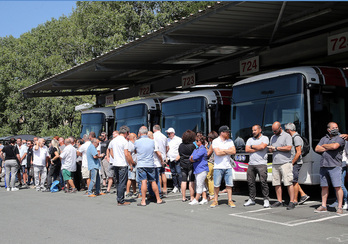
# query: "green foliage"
[[57, 45]]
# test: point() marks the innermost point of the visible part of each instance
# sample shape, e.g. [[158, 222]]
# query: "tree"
[[57, 45]]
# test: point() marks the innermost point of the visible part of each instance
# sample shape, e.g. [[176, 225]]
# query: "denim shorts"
[[332, 174], [162, 170], [146, 174], [226, 173]]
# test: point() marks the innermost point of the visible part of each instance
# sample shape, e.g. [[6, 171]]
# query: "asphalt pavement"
[[28, 216]]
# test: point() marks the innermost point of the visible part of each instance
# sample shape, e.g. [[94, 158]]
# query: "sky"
[[18, 17]]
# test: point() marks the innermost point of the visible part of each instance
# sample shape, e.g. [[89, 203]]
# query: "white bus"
[[199, 111], [309, 97], [138, 113]]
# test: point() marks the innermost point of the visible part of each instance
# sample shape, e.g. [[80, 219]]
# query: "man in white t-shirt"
[[23, 149], [257, 147], [122, 158], [161, 144], [223, 148], [82, 151], [173, 158], [40, 162]]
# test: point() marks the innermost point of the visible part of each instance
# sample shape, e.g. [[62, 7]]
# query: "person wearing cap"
[[173, 158], [223, 148]]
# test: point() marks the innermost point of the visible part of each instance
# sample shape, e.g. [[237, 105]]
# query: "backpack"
[[305, 148]]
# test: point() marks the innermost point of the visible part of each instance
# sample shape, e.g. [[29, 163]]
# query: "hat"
[[224, 128], [170, 130]]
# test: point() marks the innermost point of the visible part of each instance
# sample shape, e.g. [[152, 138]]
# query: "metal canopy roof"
[[210, 43]]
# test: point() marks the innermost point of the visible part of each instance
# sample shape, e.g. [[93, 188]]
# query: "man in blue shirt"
[[145, 147], [94, 167]]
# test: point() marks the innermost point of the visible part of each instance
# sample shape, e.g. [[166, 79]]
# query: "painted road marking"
[[291, 223]]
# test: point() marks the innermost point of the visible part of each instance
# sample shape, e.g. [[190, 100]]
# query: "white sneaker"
[[194, 202], [175, 190], [249, 203], [345, 206], [266, 203], [14, 189], [204, 201], [8, 189]]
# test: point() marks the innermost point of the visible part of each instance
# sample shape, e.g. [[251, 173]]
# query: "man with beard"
[[257, 147], [280, 146], [223, 148], [331, 149]]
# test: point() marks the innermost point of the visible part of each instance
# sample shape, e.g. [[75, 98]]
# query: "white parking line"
[[290, 223]]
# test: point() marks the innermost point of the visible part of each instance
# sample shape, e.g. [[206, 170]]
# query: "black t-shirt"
[[10, 152], [104, 146], [185, 151], [52, 151], [29, 157]]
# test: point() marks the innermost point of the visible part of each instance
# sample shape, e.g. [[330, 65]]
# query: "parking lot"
[[37, 217]]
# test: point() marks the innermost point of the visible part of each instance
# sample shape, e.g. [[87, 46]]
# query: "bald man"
[[280, 146]]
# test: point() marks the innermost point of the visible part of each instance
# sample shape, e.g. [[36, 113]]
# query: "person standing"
[[280, 145], [68, 157], [200, 169], [210, 176], [94, 167], [132, 173], [122, 158], [55, 164], [23, 149], [173, 158], [257, 147], [296, 155], [144, 148], [223, 148], [84, 167], [185, 150], [331, 149], [10, 155], [40, 162], [161, 145], [103, 144]]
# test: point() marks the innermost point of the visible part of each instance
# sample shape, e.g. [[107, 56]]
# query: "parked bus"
[[309, 97], [138, 113], [97, 120], [204, 111]]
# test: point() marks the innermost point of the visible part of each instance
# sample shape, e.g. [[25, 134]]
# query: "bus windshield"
[[92, 122], [266, 101], [133, 116], [185, 114]]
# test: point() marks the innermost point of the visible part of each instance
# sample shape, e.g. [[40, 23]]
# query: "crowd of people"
[[197, 162]]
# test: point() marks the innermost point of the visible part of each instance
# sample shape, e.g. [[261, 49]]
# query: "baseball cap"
[[224, 128], [170, 130]]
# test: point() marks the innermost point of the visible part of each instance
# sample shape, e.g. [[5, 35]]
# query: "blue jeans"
[[121, 174], [95, 180], [176, 173], [157, 177]]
